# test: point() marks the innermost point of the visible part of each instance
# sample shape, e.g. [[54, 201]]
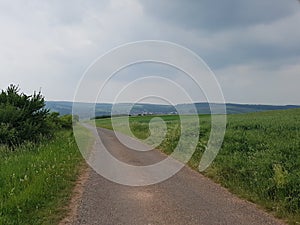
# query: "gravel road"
[[186, 198]]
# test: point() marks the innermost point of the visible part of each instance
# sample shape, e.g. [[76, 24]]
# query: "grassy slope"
[[36, 180], [259, 159]]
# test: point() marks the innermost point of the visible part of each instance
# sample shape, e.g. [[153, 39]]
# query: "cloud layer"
[[252, 46]]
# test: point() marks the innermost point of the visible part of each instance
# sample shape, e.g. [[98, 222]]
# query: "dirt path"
[[186, 198]]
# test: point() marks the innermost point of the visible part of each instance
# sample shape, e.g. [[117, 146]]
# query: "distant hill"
[[102, 109]]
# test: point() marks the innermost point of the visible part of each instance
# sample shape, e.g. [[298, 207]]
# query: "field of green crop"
[[259, 159], [36, 180]]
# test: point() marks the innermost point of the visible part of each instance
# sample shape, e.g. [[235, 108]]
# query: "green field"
[[259, 159], [36, 180]]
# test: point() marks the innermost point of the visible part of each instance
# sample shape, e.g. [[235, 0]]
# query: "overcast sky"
[[253, 47]]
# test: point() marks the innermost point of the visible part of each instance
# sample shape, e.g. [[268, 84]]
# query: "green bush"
[[22, 117], [66, 121]]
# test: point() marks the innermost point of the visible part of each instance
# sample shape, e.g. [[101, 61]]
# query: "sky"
[[252, 47]]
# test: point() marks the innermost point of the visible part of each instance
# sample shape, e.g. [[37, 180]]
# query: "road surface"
[[186, 198]]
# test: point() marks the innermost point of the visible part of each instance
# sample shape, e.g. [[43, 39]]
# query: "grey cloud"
[[249, 52], [230, 32], [73, 12], [219, 15]]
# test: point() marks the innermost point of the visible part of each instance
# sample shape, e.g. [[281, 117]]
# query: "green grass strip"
[[36, 181]]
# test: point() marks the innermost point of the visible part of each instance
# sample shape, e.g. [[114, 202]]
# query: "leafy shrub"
[[66, 121], [22, 117]]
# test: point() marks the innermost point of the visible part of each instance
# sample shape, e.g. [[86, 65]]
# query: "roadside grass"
[[259, 159], [36, 181], [85, 139]]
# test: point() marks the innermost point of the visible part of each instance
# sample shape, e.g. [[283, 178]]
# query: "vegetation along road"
[[259, 161]]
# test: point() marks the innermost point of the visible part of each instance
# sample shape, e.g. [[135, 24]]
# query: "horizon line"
[[150, 103]]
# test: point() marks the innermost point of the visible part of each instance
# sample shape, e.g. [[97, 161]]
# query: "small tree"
[[22, 117]]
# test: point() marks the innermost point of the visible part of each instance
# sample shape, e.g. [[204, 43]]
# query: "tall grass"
[[259, 159], [36, 180]]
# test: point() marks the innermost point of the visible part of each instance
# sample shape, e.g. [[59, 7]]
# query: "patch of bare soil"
[[76, 196]]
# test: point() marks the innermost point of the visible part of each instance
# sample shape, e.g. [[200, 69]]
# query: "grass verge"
[[36, 181]]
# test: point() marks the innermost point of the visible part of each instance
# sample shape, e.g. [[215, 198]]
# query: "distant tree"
[[66, 121], [23, 117]]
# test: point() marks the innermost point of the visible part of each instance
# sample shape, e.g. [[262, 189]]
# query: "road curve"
[[186, 198]]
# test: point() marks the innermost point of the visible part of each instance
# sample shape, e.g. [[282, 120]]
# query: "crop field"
[[259, 159]]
